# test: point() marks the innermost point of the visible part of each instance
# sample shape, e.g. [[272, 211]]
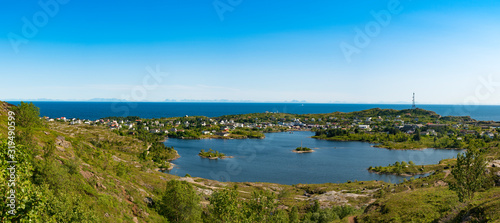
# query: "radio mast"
[[413, 105]]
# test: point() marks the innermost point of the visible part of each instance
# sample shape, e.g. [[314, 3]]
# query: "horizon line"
[[246, 102]]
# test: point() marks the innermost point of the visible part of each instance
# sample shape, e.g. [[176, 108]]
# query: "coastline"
[[216, 158], [402, 174], [311, 151], [378, 145]]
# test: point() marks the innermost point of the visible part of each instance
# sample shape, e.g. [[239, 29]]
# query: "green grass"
[[424, 205]]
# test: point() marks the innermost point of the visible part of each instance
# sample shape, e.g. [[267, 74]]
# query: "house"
[[224, 134], [364, 127], [432, 132], [205, 132], [128, 125], [488, 134]]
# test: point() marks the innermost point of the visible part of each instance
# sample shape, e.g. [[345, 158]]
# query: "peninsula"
[[387, 128]]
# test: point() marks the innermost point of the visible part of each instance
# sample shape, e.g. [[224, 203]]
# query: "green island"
[[409, 169], [211, 154], [99, 173], [303, 150]]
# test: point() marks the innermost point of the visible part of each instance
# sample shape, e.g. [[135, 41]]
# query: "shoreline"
[[310, 151], [378, 145], [171, 166], [402, 174], [216, 158]]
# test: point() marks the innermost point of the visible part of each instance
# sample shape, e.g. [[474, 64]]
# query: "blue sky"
[[260, 50]]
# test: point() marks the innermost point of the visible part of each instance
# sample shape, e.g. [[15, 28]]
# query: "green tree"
[[27, 115], [416, 136], [293, 216], [411, 163], [469, 174], [180, 203], [224, 206], [262, 207]]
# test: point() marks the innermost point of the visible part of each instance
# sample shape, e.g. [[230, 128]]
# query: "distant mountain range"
[[166, 100]]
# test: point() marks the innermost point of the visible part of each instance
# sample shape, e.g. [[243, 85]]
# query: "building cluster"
[[219, 126]]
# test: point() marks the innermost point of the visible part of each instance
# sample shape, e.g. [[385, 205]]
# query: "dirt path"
[[447, 173], [352, 219]]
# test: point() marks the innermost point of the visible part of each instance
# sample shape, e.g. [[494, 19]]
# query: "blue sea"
[[96, 110]]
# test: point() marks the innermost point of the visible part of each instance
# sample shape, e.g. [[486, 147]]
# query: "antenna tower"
[[413, 106]]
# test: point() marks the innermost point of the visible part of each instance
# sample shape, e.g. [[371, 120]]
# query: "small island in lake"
[[303, 150], [211, 154]]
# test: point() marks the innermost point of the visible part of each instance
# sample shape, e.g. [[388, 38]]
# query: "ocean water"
[[96, 110], [272, 160]]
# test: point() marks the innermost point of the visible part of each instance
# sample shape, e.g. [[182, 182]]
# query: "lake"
[[272, 160]]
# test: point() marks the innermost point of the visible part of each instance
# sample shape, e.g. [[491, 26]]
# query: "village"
[[248, 125]]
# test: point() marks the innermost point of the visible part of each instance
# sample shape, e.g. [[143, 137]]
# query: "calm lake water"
[[272, 160]]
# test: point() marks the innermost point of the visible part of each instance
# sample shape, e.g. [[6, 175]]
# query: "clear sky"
[[318, 51]]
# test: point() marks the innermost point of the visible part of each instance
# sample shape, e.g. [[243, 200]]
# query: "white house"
[[364, 127]]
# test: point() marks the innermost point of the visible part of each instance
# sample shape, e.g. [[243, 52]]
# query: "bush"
[[180, 203]]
